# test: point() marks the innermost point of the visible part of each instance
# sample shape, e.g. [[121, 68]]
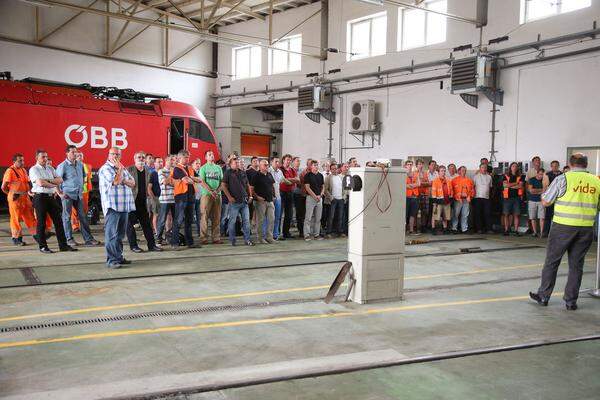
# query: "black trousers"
[[45, 204], [140, 215], [549, 216], [575, 241], [482, 208], [300, 202], [287, 206]]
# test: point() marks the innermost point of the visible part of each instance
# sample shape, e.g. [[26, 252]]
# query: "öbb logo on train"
[[98, 137]]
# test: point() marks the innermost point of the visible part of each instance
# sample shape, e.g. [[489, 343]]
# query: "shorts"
[[536, 210], [153, 205], [412, 206], [512, 205], [442, 209]]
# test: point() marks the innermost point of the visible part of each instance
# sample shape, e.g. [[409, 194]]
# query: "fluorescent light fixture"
[[36, 3], [376, 2]]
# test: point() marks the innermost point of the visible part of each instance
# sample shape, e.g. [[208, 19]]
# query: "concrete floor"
[[452, 303]]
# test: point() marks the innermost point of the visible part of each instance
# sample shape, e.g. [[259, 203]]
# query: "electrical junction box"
[[377, 220]]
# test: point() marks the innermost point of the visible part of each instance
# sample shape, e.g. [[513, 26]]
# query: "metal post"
[[596, 291]]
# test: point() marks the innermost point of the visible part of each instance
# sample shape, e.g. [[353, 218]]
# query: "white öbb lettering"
[[77, 135]]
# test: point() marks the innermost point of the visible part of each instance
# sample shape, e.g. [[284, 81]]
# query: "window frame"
[[401, 24], [349, 26], [272, 51], [234, 66], [524, 7], [204, 131]]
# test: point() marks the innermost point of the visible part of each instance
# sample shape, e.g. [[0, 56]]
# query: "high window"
[[246, 62], [283, 60], [418, 28], [367, 36], [538, 9]]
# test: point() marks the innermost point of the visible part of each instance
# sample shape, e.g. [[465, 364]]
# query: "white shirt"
[[336, 187], [483, 183], [278, 177], [38, 172]]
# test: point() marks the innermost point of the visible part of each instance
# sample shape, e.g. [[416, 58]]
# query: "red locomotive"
[[40, 114], [37, 114]]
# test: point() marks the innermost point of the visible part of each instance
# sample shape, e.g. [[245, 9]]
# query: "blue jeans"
[[224, 218], [115, 225], [244, 212], [67, 205], [461, 209], [277, 220], [164, 209], [184, 215]]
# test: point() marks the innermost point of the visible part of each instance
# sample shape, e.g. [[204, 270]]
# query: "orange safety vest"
[[182, 187], [410, 179], [462, 186], [17, 179], [505, 191], [437, 188]]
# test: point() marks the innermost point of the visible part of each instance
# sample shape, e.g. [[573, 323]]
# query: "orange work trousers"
[[21, 209], [74, 219]]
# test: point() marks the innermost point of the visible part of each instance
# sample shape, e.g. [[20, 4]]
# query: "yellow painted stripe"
[[213, 325], [248, 294]]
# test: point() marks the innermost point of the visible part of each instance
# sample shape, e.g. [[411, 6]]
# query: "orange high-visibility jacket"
[[505, 191], [182, 187], [462, 187], [437, 188]]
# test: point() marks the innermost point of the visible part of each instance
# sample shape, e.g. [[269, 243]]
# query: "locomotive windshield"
[[200, 131]]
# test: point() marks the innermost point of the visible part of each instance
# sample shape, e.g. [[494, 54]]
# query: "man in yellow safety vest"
[[576, 199]]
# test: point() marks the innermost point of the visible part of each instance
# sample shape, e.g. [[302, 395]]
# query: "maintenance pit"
[[250, 322]]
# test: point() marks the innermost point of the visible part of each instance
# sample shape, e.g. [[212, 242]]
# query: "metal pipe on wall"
[[446, 61]]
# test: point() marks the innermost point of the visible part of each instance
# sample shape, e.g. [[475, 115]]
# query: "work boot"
[[539, 299]]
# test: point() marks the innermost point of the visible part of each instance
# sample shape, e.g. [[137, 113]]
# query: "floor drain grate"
[[156, 314]]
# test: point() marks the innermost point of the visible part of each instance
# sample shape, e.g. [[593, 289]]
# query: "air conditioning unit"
[[362, 116], [312, 99], [473, 74]]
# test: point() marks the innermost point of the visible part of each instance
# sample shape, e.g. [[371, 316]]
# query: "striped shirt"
[[166, 191], [118, 197]]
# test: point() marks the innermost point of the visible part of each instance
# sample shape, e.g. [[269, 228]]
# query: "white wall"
[[87, 33], [547, 105]]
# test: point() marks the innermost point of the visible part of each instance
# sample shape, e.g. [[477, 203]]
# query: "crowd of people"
[[447, 200], [260, 202]]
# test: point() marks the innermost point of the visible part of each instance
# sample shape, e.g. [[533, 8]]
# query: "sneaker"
[[113, 265], [137, 250], [271, 241], [319, 238], [249, 243], [72, 243], [46, 250], [21, 242], [263, 241], [18, 242], [307, 239], [91, 243], [68, 248]]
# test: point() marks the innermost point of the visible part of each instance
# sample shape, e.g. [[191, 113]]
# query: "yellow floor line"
[[249, 294], [212, 325]]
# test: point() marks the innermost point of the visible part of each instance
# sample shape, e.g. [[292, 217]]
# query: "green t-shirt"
[[212, 175]]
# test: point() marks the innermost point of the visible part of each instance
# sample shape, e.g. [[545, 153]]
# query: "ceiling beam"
[[206, 35]]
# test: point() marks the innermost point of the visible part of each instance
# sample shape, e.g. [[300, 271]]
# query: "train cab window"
[[200, 131]]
